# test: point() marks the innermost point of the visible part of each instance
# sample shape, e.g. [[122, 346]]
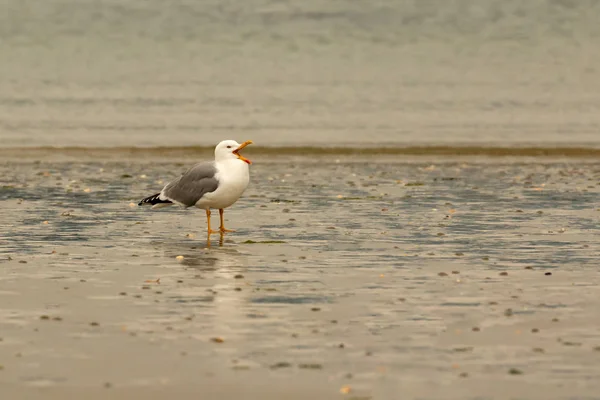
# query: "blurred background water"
[[125, 73]]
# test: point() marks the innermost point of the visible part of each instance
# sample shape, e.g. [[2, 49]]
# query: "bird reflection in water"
[[220, 242], [215, 255]]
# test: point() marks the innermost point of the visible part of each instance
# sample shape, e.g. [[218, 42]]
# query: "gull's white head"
[[230, 150]]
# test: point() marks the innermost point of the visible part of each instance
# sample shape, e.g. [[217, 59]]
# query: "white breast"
[[233, 176]]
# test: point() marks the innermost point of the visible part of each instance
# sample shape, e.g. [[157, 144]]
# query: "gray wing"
[[192, 185]]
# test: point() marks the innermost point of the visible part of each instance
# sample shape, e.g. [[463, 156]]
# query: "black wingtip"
[[152, 200]]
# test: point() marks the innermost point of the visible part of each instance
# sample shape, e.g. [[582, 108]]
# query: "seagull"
[[212, 184]]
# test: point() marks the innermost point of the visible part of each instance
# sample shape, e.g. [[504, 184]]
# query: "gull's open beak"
[[236, 151]]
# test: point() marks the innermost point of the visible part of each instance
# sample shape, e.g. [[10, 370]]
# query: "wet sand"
[[422, 221], [347, 279], [366, 153]]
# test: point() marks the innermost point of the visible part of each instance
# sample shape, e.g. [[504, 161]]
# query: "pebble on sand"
[[281, 365], [179, 258], [538, 350], [515, 371]]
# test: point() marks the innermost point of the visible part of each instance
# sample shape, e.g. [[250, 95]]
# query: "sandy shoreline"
[[451, 280], [308, 154]]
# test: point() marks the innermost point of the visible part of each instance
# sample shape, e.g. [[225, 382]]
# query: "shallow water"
[[447, 279], [288, 73]]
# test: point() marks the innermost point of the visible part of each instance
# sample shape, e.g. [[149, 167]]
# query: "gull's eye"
[[228, 147]]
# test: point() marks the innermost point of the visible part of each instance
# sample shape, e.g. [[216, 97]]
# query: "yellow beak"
[[236, 151]]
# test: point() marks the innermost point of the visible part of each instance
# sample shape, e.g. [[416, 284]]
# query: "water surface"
[[441, 279], [286, 73]]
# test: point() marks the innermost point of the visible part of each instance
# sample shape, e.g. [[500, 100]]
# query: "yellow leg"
[[222, 227], [210, 231]]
